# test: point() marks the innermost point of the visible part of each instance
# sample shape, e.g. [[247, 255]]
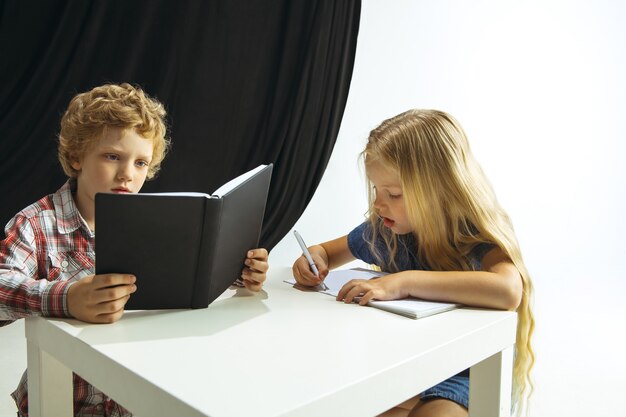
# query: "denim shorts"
[[454, 389]]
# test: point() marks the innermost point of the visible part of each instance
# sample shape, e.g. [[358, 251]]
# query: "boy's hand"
[[254, 273], [100, 298], [302, 270]]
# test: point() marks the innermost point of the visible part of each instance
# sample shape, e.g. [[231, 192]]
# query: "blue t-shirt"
[[406, 255], [406, 252]]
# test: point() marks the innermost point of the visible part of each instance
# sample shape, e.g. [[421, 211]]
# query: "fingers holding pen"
[[310, 269], [304, 274]]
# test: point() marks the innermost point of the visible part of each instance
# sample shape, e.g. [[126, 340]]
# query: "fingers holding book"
[[255, 271], [100, 298]]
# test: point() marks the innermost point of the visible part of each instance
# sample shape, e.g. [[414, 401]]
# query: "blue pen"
[[307, 255]]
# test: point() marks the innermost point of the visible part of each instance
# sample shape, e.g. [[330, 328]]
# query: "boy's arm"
[[21, 294]]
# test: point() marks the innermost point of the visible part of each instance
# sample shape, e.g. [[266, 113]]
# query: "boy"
[[112, 139]]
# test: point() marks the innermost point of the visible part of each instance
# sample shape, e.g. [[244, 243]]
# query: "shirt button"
[[64, 264]]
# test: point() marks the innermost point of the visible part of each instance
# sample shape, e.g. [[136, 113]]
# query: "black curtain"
[[244, 82]]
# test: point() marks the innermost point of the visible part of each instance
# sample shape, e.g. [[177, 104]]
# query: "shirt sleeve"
[[478, 252], [22, 292], [358, 242]]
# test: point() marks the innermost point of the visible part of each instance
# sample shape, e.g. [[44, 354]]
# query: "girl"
[[435, 225]]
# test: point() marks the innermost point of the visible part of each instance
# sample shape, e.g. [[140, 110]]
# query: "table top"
[[282, 351]]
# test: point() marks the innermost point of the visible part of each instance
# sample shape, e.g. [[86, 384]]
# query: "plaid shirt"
[[48, 246]]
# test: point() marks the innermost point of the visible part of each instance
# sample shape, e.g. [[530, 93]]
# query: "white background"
[[539, 88]]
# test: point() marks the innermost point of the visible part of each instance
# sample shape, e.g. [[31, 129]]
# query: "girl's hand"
[[255, 271], [100, 298], [388, 287], [303, 274]]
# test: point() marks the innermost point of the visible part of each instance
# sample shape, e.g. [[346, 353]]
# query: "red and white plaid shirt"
[[48, 246]]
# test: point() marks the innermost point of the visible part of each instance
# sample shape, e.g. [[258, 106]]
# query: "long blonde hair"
[[452, 209]]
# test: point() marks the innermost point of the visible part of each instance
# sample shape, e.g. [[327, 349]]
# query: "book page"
[[337, 278], [179, 194], [409, 307], [413, 307], [221, 191], [235, 182]]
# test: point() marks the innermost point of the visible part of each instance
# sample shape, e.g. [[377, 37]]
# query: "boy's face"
[[117, 163], [389, 202]]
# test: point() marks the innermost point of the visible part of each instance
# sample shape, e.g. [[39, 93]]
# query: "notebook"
[[410, 307], [185, 249]]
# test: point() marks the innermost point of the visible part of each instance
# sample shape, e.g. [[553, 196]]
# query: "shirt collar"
[[67, 214]]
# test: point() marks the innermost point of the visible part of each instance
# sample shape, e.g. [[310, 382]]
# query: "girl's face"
[[389, 202]]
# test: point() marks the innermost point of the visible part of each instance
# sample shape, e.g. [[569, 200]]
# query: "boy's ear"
[[76, 165]]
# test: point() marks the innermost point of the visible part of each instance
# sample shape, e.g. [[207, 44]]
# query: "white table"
[[282, 352]]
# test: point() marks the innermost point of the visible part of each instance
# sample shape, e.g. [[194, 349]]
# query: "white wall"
[[539, 87], [12, 364]]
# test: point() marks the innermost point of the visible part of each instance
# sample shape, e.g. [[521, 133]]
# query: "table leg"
[[50, 387], [490, 386]]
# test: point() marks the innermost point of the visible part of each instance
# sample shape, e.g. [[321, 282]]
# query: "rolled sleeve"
[[54, 299], [21, 297], [22, 293], [358, 242]]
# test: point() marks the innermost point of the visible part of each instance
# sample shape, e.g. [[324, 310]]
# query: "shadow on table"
[[234, 307]]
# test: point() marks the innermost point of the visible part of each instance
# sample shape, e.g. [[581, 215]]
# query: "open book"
[[184, 248], [409, 307]]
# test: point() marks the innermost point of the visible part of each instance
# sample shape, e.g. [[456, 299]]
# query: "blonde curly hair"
[[124, 106]]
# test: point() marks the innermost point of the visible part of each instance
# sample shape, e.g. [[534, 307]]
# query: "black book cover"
[[185, 250]]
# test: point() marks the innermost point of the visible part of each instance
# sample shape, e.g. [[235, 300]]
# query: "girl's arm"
[[327, 255], [497, 285]]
